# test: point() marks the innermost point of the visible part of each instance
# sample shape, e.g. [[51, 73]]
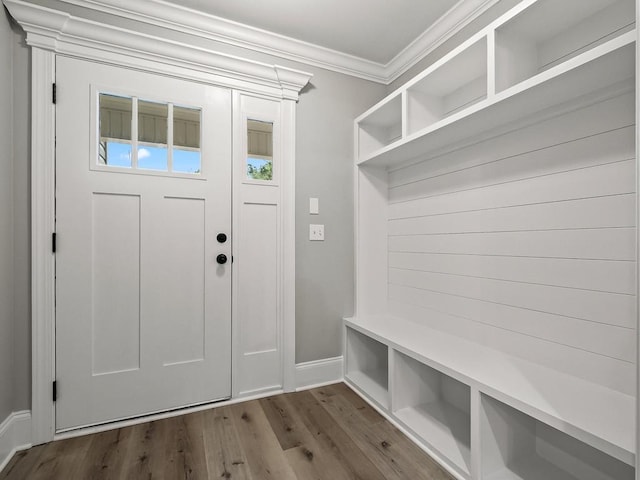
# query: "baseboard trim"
[[15, 435], [319, 373]]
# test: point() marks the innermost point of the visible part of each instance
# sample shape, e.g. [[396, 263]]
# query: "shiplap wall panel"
[[597, 181], [603, 244], [610, 212], [601, 117], [618, 343], [526, 242], [609, 147], [601, 275], [602, 307], [615, 374]]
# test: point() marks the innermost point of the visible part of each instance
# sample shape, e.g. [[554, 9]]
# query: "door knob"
[[221, 237], [221, 259]]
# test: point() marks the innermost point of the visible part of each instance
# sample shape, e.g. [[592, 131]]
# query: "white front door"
[[143, 296]]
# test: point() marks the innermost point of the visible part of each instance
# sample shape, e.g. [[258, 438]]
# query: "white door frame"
[[51, 32]]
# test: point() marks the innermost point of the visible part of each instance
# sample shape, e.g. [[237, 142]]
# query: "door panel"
[[143, 310]]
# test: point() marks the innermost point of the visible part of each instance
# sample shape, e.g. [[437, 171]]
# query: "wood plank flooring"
[[327, 433]]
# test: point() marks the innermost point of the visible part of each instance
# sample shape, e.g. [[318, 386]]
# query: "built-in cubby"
[[381, 127], [449, 88], [550, 32], [435, 407], [500, 352], [367, 366], [516, 446]]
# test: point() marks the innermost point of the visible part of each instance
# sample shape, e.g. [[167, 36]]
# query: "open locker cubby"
[[516, 446], [449, 88], [436, 407], [381, 127], [550, 32], [368, 366]]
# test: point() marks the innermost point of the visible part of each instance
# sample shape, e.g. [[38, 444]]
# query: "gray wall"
[[324, 270], [15, 340], [6, 219]]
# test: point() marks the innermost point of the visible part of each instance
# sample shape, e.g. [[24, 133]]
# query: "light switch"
[[314, 206], [316, 233]]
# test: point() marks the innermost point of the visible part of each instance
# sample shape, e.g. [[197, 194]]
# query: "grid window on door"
[[148, 136]]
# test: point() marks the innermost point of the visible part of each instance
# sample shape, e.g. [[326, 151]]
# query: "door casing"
[[46, 41]]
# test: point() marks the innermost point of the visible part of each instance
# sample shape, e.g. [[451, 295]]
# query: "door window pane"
[[260, 150], [115, 130], [186, 140], [152, 135]]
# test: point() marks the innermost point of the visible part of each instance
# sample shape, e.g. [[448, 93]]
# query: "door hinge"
[[53, 242], [55, 390], [54, 92]]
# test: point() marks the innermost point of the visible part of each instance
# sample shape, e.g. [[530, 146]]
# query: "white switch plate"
[[316, 232], [314, 206]]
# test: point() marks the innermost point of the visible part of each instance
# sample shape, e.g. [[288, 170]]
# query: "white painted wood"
[[172, 343], [288, 291], [602, 212], [602, 309], [371, 240], [589, 366], [525, 49], [603, 180], [594, 414], [510, 437], [608, 147], [367, 366], [435, 407], [597, 244], [261, 265], [15, 435], [100, 42], [116, 246], [511, 230], [64, 33], [319, 372], [381, 127], [600, 119], [456, 84], [43, 263], [605, 66]]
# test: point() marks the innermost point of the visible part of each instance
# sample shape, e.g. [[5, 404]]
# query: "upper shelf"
[[511, 70]]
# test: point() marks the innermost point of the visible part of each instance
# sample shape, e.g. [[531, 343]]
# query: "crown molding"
[[458, 17], [181, 19], [67, 34]]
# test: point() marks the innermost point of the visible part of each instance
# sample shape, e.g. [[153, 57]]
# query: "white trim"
[[15, 435], [319, 373], [458, 17], [288, 252], [51, 32], [74, 36], [43, 261], [178, 18]]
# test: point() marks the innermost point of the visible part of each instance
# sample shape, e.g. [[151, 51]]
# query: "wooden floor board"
[[327, 433]]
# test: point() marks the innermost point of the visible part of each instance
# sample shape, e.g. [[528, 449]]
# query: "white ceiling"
[[377, 40], [375, 30]]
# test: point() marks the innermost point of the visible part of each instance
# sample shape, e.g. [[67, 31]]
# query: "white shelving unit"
[[368, 366], [447, 103], [484, 413], [435, 407], [516, 446]]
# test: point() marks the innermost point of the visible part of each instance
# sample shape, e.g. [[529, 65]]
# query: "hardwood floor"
[[326, 433]]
